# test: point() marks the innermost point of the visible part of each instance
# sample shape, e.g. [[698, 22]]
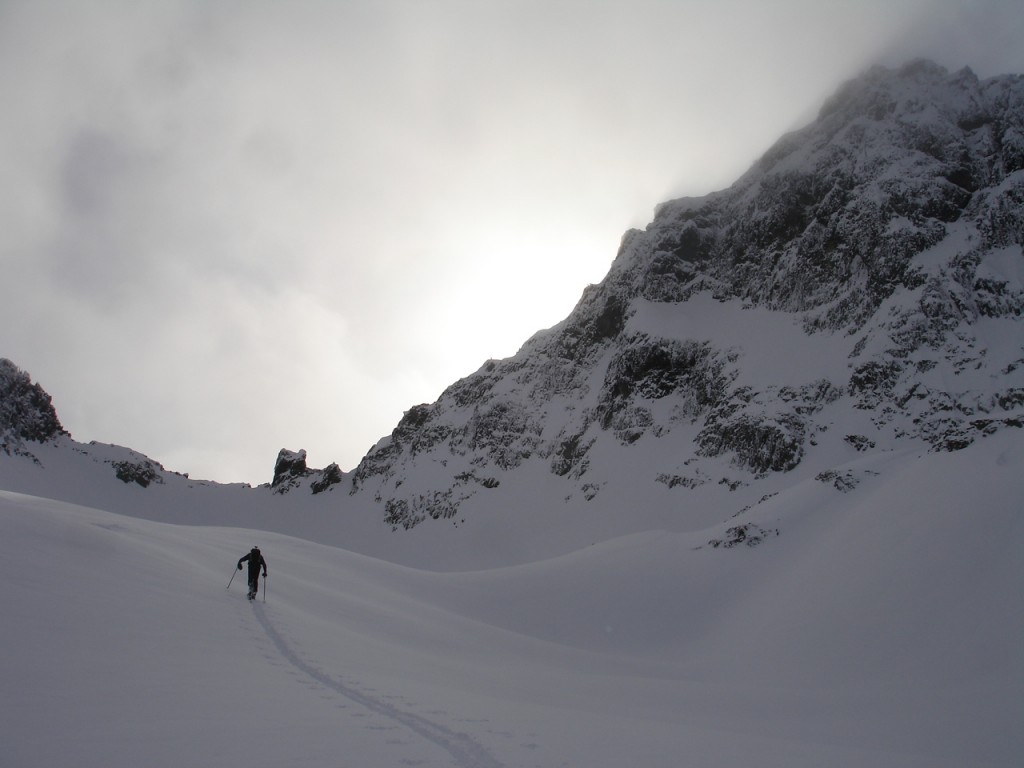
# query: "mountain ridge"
[[892, 223], [857, 292]]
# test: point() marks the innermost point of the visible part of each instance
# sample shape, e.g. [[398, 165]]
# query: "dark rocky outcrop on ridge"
[[26, 410], [290, 471]]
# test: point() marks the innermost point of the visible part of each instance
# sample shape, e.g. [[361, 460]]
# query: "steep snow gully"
[[464, 750]]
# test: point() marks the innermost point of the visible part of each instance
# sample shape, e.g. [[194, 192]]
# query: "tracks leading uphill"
[[465, 751]]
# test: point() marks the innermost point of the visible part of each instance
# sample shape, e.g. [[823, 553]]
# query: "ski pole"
[[231, 579], [264, 587]]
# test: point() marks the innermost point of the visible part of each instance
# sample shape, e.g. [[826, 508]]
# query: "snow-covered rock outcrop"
[[26, 411], [290, 471], [29, 423]]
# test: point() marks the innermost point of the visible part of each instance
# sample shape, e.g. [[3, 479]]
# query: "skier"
[[255, 561]]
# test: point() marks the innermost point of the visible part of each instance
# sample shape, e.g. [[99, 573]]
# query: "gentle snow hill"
[[884, 632]]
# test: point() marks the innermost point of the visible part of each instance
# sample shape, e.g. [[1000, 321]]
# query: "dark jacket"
[[256, 561]]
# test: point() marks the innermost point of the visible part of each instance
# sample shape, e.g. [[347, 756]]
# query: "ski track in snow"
[[465, 751]]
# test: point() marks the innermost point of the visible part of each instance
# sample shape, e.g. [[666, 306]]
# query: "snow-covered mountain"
[[859, 289], [757, 500], [857, 293]]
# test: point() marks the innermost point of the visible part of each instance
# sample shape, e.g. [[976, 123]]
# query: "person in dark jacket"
[[256, 560]]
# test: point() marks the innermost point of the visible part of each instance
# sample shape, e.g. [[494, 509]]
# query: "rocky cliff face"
[[888, 233], [26, 411], [290, 471]]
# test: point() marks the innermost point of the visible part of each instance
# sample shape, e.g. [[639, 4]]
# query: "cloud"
[[230, 228], [983, 34]]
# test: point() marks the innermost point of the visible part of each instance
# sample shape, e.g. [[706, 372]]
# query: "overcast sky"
[[228, 228]]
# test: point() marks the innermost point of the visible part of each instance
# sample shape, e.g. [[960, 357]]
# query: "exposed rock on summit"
[[290, 471], [26, 410]]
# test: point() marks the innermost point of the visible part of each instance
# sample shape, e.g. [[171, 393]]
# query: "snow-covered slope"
[[885, 631]]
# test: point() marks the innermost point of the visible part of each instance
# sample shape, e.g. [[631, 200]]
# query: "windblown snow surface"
[[881, 628]]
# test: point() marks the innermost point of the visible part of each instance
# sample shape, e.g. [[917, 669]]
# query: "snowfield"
[[881, 628]]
